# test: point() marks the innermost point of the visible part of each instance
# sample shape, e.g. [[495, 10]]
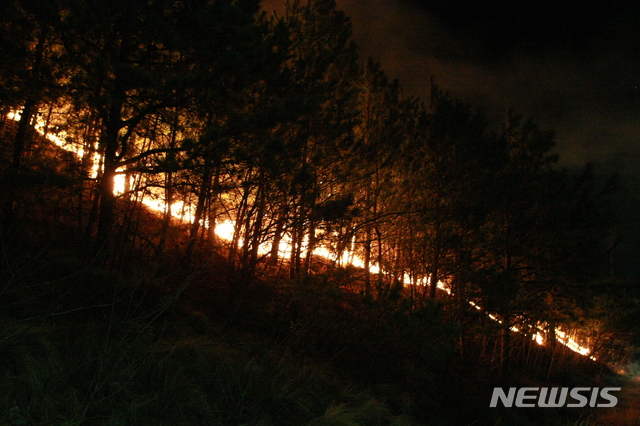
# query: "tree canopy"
[[274, 127]]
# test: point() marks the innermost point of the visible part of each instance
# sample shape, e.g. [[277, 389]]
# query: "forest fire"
[[196, 195], [225, 230]]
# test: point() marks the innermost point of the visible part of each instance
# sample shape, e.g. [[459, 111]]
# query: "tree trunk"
[[274, 256], [168, 214], [16, 164], [257, 224], [380, 257], [22, 134], [106, 218], [296, 242], [311, 246], [505, 348], [240, 218], [212, 210], [433, 280], [367, 261]]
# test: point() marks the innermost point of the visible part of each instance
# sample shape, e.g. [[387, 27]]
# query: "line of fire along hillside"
[[224, 230], [561, 336]]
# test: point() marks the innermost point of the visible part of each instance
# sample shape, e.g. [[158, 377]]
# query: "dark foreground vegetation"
[[114, 312]]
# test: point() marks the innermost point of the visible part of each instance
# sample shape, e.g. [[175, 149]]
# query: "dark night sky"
[[571, 67]]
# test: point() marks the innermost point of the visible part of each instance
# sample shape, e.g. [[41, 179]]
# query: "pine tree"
[[132, 59]]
